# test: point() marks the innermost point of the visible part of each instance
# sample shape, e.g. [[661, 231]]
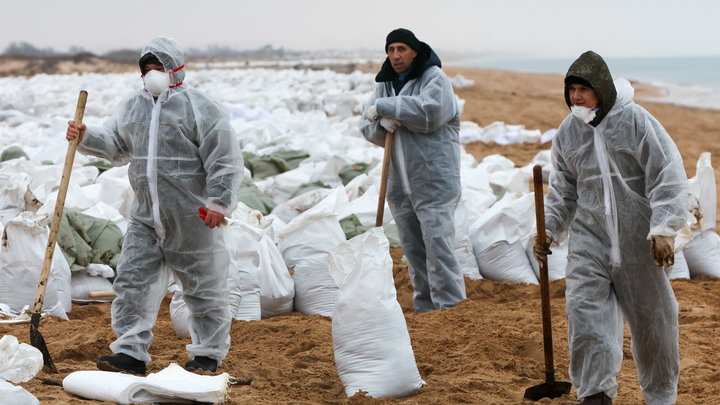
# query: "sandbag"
[[373, 352], [462, 244], [496, 238], [172, 384], [351, 171], [296, 206], [305, 243], [19, 362], [85, 239], [365, 208], [82, 284], [680, 268], [352, 227], [703, 254], [15, 395], [251, 196], [557, 261], [277, 288], [275, 163], [21, 259], [244, 275], [308, 187]]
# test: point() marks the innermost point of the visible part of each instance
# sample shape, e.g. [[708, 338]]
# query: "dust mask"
[[156, 82], [583, 113]]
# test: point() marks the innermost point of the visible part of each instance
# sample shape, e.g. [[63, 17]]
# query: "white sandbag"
[[12, 196], [365, 208], [477, 202], [703, 187], [462, 244], [328, 173], [703, 254], [281, 187], [83, 283], [277, 288], [172, 384], [496, 238], [116, 190], [296, 206], [105, 211], [680, 268], [358, 186], [19, 362], [557, 261], [373, 352], [244, 276], [15, 395], [304, 244], [21, 259]]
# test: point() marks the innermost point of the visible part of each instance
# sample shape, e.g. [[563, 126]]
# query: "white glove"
[[371, 113], [390, 124]]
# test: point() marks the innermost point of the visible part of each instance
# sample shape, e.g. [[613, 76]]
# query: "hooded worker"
[[620, 188], [414, 100], [183, 154]]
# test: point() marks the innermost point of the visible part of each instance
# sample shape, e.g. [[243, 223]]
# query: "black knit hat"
[[402, 35], [570, 80], [146, 59]]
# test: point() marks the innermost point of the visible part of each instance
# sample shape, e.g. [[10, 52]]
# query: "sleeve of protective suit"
[[666, 185], [561, 199], [427, 111], [105, 142], [222, 160], [372, 131]]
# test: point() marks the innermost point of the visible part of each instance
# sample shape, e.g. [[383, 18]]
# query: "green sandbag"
[[13, 152], [352, 227], [251, 196], [84, 239], [349, 172], [273, 164], [101, 164], [307, 187]]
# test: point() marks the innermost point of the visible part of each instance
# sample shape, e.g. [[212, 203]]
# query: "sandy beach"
[[487, 350]]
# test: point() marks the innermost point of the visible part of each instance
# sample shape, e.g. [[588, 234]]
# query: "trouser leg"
[[140, 288], [203, 274], [651, 310], [595, 327], [413, 247]]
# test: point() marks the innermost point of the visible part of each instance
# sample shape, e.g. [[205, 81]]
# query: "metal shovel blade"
[[38, 342], [546, 390]]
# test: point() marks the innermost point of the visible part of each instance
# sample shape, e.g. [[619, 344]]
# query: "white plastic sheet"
[[372, 346], [173, 384]]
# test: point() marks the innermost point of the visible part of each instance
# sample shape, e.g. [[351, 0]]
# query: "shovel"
[[36, 338], [384, 179], [551, 388]]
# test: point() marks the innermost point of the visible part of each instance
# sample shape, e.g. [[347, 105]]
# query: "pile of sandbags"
[[703, 252]]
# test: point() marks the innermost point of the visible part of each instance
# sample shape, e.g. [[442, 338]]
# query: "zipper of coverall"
[[152, 162], [400, 147]]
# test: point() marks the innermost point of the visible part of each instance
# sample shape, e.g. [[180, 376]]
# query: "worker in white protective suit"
[[183, 154], [414, 100], [619, 187]]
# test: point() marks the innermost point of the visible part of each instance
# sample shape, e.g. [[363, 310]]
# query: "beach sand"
[[486, 350]]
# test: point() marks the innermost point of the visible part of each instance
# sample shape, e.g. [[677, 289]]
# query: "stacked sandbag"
[[243, 239], [92, 279], [703, 252], [290, 209], [22, 253], [496, 238], [365, 208], [305, 243], [19, 362], [463, 245], [680, 268], [277, 288], [373, 352]]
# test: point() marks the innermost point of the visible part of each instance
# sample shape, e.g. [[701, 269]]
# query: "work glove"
[[371, 113], [390, 124], [541, 251], [662, 248]]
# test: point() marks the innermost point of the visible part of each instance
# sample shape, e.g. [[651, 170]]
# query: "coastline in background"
[[689, 81]]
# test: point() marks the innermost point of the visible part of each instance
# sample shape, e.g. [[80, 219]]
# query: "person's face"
[[401, 57], [582, 96], [152, 66]]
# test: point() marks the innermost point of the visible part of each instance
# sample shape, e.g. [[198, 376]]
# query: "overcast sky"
[[521, 28]]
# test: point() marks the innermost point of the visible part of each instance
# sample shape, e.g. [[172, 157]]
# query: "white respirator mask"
[[156, 82], [585, 114]]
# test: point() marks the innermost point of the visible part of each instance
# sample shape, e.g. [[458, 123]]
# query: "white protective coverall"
[[183, 154], [614, 186], [424, 177]]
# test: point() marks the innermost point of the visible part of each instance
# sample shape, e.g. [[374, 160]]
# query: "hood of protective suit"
[[168, 52], [592, 68], [425, 58]]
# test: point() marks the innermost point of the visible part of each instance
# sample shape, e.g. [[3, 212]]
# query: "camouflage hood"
[[591, 68]]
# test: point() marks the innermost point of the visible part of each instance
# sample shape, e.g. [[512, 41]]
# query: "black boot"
[[201, 363], [121, 362], [597, 399]]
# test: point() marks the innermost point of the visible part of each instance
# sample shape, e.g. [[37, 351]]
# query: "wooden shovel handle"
[[384, 179], [59, 205], [101, 294], [544, 279]]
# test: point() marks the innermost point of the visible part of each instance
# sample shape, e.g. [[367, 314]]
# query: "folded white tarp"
[[372, 346], [173, 384]]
